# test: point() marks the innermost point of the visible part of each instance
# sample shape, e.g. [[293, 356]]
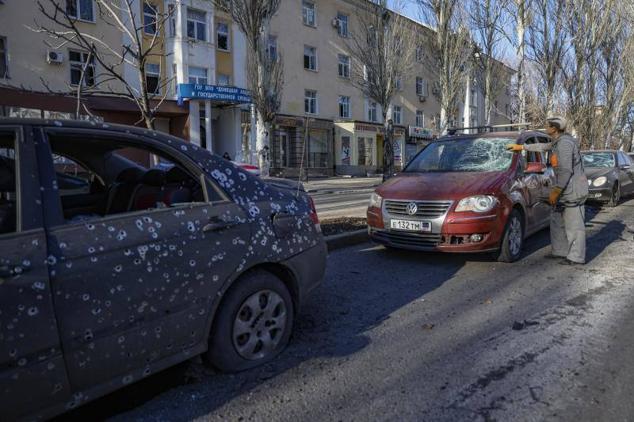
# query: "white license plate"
[[409, 225]]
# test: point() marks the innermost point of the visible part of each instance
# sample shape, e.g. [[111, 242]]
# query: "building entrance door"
[[284, 150]]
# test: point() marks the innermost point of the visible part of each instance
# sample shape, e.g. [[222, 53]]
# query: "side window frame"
[[133, 141]]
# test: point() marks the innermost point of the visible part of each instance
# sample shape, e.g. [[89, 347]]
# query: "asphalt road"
[[394, 335]]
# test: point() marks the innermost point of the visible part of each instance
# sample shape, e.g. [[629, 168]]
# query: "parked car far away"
[[465, 193], [610, 175], [113, 269]]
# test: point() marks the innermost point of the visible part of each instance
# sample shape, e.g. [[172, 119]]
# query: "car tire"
[[253, 323], [616, 196], [513, 239]]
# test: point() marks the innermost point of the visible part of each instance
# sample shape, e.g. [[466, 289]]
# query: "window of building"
[[272, 47], [342, 25], [9, 193], [419, 54], [308, 13], [344, 107], [152, 78], [197, 75], [399, 84], [421, 87], [197, 24], [310, 101], [4, 59], [372, 111], [397, 114], [222, 36], [420, 118], [171, 12], [149, 18], [224, 80], [80, 9], [344, 66], [310, 58], [78, 62]]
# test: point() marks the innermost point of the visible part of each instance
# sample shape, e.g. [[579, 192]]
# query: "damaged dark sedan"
[[125, 251]]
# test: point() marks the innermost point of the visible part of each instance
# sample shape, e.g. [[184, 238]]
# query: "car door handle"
[[12, 270], [217, 225]]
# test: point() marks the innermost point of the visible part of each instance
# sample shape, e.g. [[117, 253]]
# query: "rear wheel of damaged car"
[[253, 323], [513, 238]]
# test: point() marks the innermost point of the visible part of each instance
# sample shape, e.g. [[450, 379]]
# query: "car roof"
[[85, 124]]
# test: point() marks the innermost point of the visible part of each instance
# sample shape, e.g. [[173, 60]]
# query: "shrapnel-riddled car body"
[[111, 271]]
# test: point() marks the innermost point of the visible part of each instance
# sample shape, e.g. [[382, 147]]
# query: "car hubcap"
[[259, 325], [515, 236]]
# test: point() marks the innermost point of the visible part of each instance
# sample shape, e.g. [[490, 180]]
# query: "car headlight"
[[375, 200], [599, 181], [478, 203]]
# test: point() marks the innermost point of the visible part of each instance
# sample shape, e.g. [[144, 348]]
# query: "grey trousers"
[[568, 233]]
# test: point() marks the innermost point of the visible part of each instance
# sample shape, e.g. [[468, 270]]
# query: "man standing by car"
[[568, 195]]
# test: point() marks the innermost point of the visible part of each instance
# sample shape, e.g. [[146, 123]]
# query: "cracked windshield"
[[470, 155], [599, 159]]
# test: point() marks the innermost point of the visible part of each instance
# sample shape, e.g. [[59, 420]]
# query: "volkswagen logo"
[[412, 208]]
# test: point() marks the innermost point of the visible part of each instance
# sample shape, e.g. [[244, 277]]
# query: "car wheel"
[[616, 196], [513, 239], [253, 324]]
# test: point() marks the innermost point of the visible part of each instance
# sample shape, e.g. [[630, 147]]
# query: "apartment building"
[[344, 130], [198, 52]]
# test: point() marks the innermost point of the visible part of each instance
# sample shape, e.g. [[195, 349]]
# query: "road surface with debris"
[[394, 335]]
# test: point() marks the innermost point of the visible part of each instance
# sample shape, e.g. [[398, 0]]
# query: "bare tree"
[[588, 25], [266, 78], [142, 43], [521, 11], [452, 53], [546, 45], [488, 19], [382, 46]]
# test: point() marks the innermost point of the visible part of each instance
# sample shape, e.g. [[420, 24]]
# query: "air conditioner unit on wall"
[[335, 23], [422, 98], [436, 89], [54, 57]]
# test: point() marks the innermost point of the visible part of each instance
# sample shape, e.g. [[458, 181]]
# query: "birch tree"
[[265, 70], [452, 53], [488, 19], [382, 45], [141, 45]]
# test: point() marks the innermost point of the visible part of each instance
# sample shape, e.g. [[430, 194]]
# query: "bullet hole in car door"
[[135, 277]]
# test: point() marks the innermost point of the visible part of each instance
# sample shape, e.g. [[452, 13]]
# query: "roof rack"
[[491, 128]]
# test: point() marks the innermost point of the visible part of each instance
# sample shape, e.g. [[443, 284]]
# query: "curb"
[[338, 241]]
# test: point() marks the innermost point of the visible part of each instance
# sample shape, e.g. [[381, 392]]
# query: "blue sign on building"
[[223, 94]]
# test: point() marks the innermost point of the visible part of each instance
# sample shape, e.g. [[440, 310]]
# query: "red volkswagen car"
[[465, 193]]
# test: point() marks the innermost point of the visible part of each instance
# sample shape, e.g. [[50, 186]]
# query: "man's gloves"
[[555, 193], [514, 147]]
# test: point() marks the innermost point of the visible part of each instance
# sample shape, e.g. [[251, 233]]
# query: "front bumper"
[[454, 235], [599, 194]]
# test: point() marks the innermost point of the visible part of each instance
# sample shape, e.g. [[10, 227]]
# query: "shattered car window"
[[599, 159], [469, 155]]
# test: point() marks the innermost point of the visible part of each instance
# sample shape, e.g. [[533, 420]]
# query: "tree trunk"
[[262, 145], [388, 146], [521, 54]]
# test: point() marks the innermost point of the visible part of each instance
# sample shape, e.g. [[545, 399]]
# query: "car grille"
[[408, 239], [426, 209]]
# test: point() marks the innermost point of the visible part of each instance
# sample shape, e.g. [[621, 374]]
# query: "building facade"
[[325, 124], [195, 45]]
